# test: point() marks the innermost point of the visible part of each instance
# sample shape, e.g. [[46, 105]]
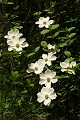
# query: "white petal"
[[47, 102], [71, 72], [48, 63], [48, 84], [51, 21], [53, 74], [54, 80], [16, 31], [44, 90], [42, 81], [50, 91], [50, 54], [19, 35], [73, 64], [41, 97], [41, 62], [53, 96], [25, 44], [44, 56], [48, 73], [47, 19], [15, 41], [42, 76], [11, 43], [47, 26], [41, 19], [18, 49], [38, 71], [64, 64], [21, 40], [11, 32], [29, 70], [41, 25], [8, 40], [63, 69], [53, 58], [10, 48], [6, 36], [50, 46]]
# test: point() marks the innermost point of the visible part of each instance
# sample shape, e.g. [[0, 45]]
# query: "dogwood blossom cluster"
[[41, 67], [14, 40], [47, 77]]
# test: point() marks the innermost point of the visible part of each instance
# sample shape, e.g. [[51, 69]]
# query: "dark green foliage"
[[18, 88]]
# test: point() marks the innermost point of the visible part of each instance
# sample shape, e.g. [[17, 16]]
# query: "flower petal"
[[53, 96], [41, 97], [54, 80], [47, 102], [42, 81]]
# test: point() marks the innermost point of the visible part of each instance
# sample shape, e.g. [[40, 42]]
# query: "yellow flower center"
[[13, 36], [17, 45], [48, 79], [46, 96], [44, 22], [36, 68], [46, 59]]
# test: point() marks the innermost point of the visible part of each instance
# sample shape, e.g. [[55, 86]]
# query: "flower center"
[[36, 68], [44, 22], [13, 37], [46, 59], [46, 96], [17, 45], [48, 79]]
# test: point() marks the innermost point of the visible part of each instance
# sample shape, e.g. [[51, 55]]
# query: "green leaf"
[[52, 27], [62, 44], [36, 49], [37, 13], [45, 31], [53, 4], [67, 53], [14, 74], [31, 54], [71, 41], [71, 28], [59, 94], [55, 35], [25, 91], [10, 3], [6, 105], [45, 49], [44, 44], [71, 35], [31, 84], [71, 59], [65, 76]]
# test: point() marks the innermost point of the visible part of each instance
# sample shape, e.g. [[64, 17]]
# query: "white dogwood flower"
[[36, 67], [49, 58], [53, 48], [44, 22], [68, 66], [46, 95], [47, 78], [13, 34], [17, 44]]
